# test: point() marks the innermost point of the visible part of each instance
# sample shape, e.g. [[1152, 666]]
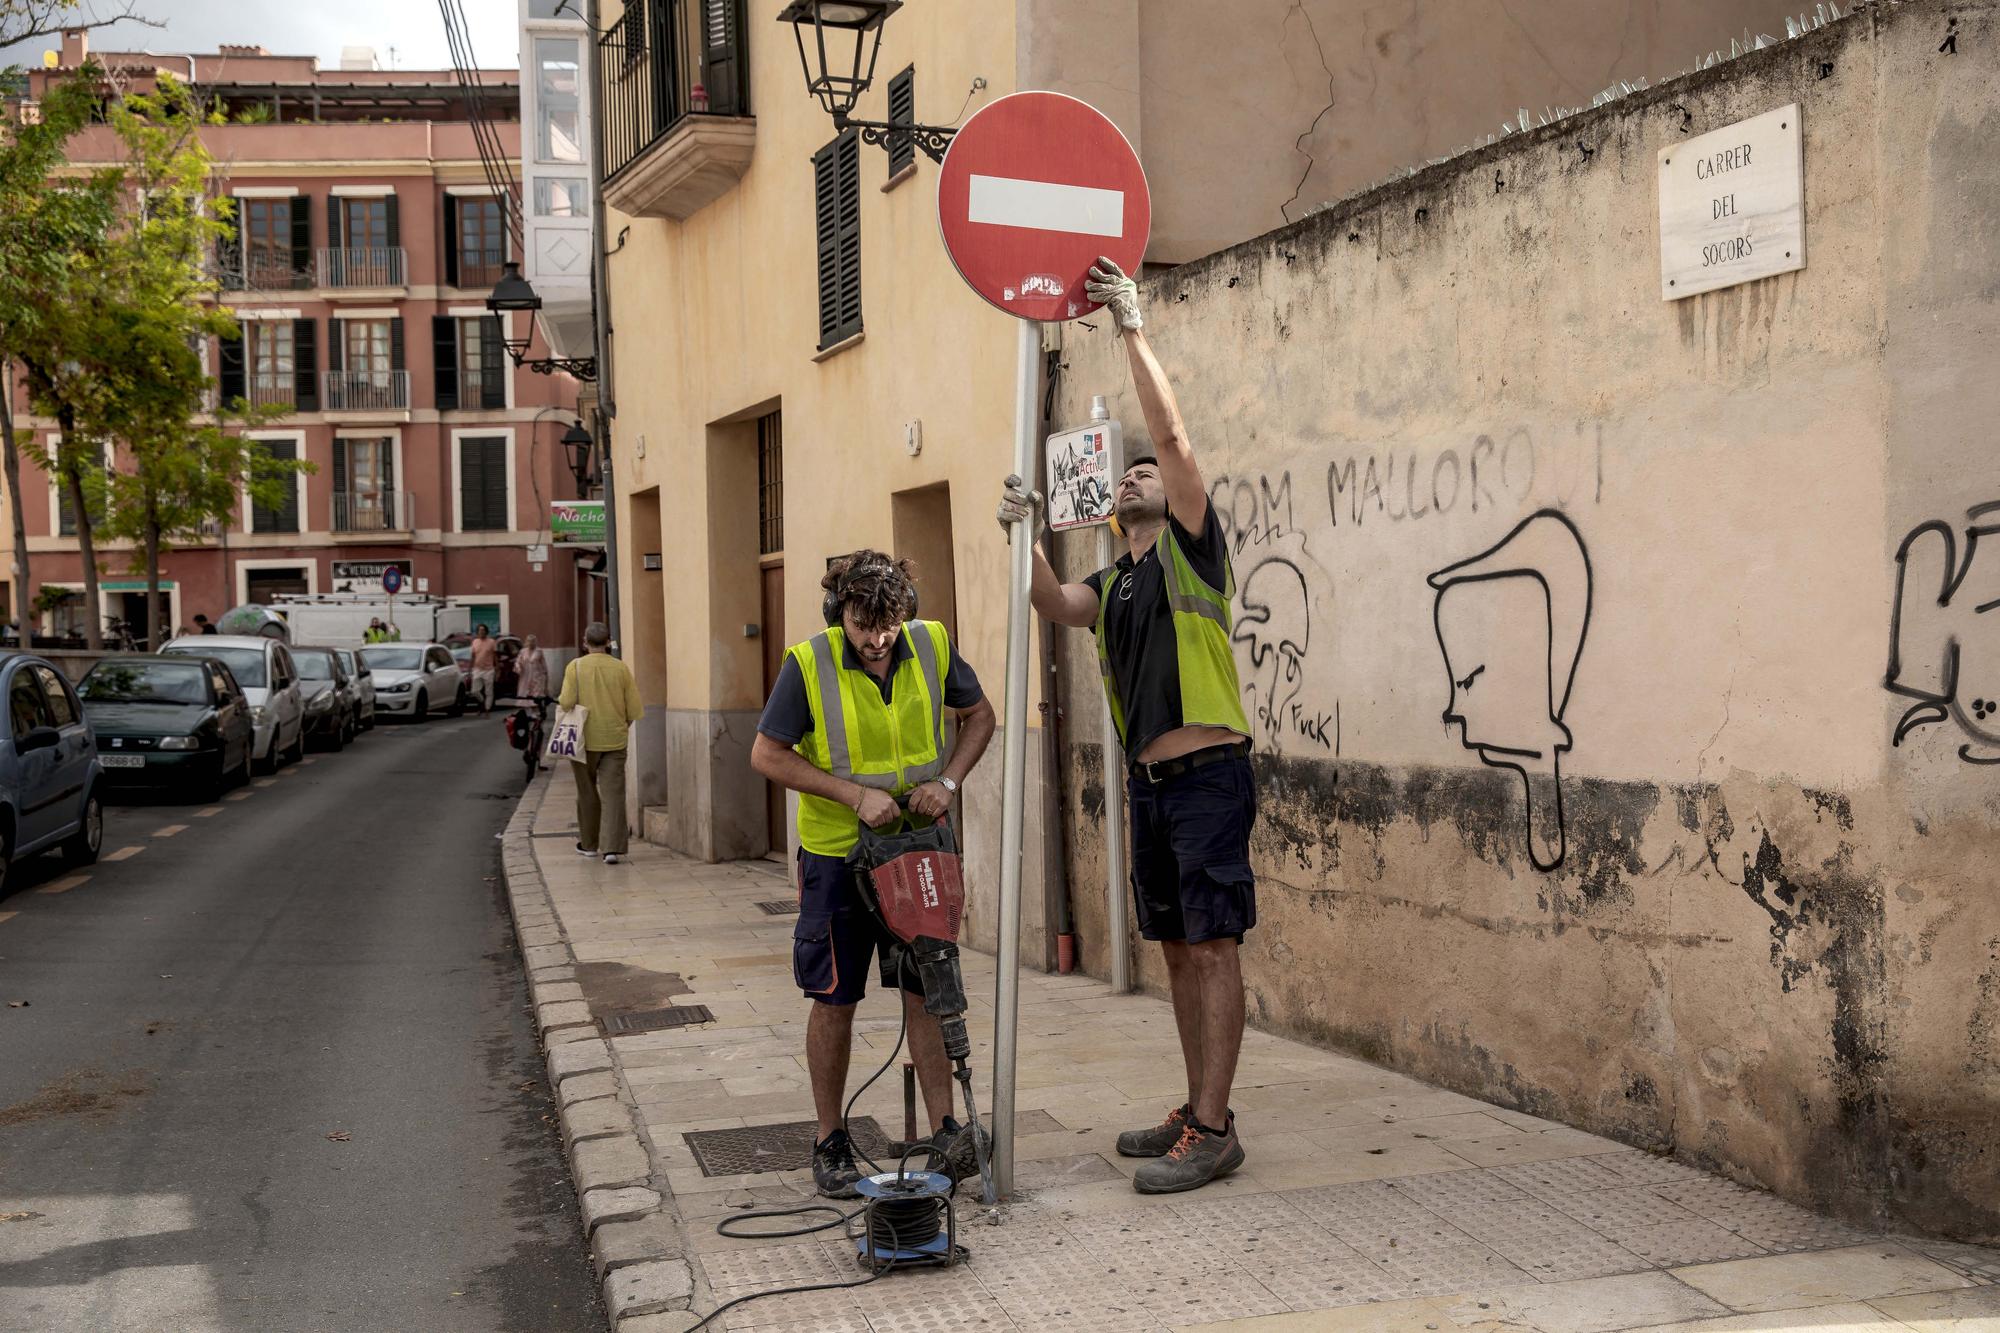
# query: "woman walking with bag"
[[602, 689]]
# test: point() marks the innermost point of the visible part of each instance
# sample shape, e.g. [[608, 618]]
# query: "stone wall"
[[1470, 464]]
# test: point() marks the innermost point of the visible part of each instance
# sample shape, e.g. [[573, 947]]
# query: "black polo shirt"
[[788, 714], [1139, 629]]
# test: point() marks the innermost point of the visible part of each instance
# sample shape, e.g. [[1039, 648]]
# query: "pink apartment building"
[[368, 235]]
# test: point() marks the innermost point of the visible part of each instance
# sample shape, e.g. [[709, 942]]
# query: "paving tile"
[[1594, 1306], [1206, 1296], [1505, 1149], [1459, 1188], [1341, 1277], [1541, 1241], [1385, 1317], [1981, 1263], [1782, 1282], [1847, 1318], [1758, 1217], [1655, 1228], [1552, 1181], [1645, 1168], [1976, 1310], [779, 1265]]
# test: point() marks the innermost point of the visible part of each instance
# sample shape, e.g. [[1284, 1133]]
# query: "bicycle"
[[527, 731]]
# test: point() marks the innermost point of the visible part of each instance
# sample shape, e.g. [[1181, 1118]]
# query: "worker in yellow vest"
[[1161, 616], [856, 725]]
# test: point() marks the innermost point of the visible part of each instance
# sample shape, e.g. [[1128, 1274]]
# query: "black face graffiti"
[[1944, 633], [1510, 625]]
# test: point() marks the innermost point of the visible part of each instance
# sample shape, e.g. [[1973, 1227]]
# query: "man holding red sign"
[[1161, 617]]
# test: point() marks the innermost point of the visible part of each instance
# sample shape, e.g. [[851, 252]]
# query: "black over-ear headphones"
[[836, 596]]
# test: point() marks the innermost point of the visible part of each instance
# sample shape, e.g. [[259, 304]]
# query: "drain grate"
[[653, 1020], [785, 1147], [779, 907]]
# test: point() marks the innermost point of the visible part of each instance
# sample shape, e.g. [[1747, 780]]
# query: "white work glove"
[[1110, 288], [1018, 504]]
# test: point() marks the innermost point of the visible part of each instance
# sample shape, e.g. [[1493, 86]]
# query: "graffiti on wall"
[[1485, 474], [1272, 617], [1510, 624], [1944, 632]]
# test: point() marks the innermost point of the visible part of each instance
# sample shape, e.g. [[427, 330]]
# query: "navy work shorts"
[[836, 934], [1191, 852]]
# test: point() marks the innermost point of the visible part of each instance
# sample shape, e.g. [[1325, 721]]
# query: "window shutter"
[[393, 228], [396, 344], [230, 377], [451, 240], [482, 485], [301, 242], [444, 360], [339, 474], [389, 467], [336, 344], [285, 518], [492, 363], [850, 234], [305, 363], [902, 111], [229, 265], [722, 41], [471, 485], [333, 228], [826, 226], [497, 516]]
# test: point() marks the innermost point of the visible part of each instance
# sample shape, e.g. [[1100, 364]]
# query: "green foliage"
[[257, 114]]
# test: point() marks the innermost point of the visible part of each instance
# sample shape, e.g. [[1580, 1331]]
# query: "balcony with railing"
[[240, 269], [677, 132], [280, 389], [373, 512], [363, 266], [482, 388], [366, 390], [480, 267]]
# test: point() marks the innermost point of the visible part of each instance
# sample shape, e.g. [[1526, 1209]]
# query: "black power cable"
[[891, 1224]]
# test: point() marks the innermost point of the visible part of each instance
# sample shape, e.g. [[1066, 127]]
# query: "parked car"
[[270, 679], [358, 671], [49, 775], [175, 722], [328, 692], [413, 678]]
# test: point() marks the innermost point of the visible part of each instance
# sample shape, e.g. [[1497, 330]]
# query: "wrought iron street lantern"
[[577, 442], [839, 41], [514, 293]]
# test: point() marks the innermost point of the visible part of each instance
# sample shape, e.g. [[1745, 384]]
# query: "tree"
[[50, 239], [181, 470], [30, 20]]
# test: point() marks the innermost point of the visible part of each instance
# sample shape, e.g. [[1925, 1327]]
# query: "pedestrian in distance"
[[203, 625], [532, 679], [485, 663], [855, 725], [610, 696], [375, 633], [1161, 617]]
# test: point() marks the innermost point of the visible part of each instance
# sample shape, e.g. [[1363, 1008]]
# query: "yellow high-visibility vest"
[[891, 747], [1210, 693]]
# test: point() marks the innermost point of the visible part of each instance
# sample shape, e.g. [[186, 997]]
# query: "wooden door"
[[772, 630]]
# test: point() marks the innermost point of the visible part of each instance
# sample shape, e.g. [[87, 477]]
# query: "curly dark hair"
[[878, 589]]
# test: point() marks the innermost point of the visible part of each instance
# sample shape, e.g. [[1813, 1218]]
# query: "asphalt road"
[[267, 1065]]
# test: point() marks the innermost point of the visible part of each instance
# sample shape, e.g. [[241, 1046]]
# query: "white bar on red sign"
[[1041, 206]]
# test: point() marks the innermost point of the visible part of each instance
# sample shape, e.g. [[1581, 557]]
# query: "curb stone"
[[635, 1236]]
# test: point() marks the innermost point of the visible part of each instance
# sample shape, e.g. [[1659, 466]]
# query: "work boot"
[[834, 1172], [1157, 1141], [1200, 1156]]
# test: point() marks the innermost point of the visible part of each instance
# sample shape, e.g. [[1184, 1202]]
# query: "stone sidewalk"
[[1369, 1201]]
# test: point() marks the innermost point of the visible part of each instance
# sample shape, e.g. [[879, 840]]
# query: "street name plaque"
[[1732, 205]]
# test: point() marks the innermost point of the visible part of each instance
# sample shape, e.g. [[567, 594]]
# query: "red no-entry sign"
[[1034, 188]]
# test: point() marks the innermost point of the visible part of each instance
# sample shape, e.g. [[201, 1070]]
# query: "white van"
[[270, 681]]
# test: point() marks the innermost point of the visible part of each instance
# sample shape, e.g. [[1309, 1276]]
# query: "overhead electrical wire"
[[494, 161]]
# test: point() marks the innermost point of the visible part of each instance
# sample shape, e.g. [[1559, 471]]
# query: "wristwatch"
[[948, 785]]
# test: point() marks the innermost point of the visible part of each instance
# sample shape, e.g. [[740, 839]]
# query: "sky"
[[413, 28]]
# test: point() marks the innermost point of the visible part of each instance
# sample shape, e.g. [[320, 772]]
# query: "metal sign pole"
[[1013, 767], [1116, 933]]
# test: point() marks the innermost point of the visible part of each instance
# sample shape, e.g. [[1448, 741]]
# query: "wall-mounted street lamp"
[[839, 65], [582, 450], [513, 292]]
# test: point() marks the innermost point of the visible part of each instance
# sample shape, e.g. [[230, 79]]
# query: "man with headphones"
[[1161, 616], [856, 726]]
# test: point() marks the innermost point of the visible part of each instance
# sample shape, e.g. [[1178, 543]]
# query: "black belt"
[[1160, 770]]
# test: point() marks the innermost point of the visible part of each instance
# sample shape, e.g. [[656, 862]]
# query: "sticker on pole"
[[1084, 465], [1033, 189]]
